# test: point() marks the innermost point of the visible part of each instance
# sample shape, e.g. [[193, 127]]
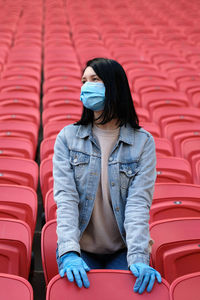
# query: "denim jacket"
[[131, 173]]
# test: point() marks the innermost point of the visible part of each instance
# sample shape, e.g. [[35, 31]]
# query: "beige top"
[[102, 234]]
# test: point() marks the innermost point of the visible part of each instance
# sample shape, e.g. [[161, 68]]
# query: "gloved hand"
[[145, 276], [75, 267]]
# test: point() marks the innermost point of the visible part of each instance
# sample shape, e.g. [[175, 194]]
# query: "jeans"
[[114, 261]]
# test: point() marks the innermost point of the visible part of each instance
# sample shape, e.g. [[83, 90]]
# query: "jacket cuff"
[[136, 258], [68, 247]]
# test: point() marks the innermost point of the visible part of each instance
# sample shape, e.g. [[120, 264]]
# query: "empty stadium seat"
[[15, 247], [19, 171], [15, 287], [173, 169], [46, 176], [61, 113], [50, 206], [48, 250], [175, 251], [175, 200], [185, 287], [17, 147], [19, 202], [47, 148]]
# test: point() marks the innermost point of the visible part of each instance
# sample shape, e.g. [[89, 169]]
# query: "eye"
[[96, 79], [83, 81]]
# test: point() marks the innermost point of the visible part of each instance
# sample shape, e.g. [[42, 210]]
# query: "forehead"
[[89, 72]]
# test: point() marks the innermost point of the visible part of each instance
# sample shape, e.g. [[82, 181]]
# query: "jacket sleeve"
[[66, 197], [138, 204]]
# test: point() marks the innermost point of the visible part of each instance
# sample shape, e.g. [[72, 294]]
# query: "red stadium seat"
[[48, 250], [25, 130], [20, 85], [19, 171], [20, 113], [185, 287], [47, 148], [52, 129], [15, 247], [151, 127], [50, 206], [152, 86], [61, 86], [173, 169], [175, 251], [15, 287], [177, 133], [61, 113], [163, 147], [17, 147], [61, 99], [18, 202], [46, 176], [19, 98], [103, 285], [175, 200], [170, 115]]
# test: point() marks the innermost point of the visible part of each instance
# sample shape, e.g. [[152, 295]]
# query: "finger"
[[151, 283], [62, 272], [84, 277], [144, 283], [134, 270], [86, 267], [158, 277], [77, 277], [138, 282], [70, 275]]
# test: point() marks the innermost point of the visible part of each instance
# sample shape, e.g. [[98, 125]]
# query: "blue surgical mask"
[[93, 95]]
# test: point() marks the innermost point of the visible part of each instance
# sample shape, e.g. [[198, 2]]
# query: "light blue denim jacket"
[[131, 173]]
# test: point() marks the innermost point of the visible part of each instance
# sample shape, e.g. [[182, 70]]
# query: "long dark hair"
[[118, 99]]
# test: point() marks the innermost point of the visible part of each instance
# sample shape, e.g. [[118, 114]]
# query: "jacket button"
[[112, 183], [117, 209], [129, 172], [111, 158], [75, 160]]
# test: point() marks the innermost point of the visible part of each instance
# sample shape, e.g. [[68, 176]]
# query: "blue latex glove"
[[146, 275], [75, 267]]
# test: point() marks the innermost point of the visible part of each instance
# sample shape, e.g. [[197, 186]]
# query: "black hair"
[[118, 99]]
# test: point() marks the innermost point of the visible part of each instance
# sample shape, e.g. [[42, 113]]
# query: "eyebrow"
[[90, 76]]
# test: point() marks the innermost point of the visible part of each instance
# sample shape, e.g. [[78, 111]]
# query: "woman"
[[104, 174]]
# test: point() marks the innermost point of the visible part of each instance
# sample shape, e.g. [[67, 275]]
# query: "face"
[[89, 75]]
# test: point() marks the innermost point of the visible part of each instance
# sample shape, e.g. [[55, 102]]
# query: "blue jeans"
[[114, 261]]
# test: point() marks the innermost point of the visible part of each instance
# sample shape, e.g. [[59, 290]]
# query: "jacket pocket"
[[79, 162], [127, 173]]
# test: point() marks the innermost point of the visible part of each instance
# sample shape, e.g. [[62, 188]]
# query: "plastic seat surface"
[[55, 99], [50, 206], [47, 148], [163, 147], [21, 98], [171, 200], [15, 287], [19, 171], [17, 147], [48, 250], [173, 169], [27, 130], [21, 113], [175, 251], [46, 176], [19, 202], [103, 285], [15, 247], [61, 113], [185, 287], [52, 129]]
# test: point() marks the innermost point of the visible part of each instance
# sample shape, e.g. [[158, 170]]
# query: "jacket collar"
[[126, 135]]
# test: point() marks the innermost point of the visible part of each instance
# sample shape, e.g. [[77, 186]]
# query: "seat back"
[[185, 287], [15, 287], [104, 284], [50, 206], [15, 247], [48, 250], [175, 251]]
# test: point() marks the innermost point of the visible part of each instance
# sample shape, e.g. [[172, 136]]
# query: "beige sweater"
[[102, 234]]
